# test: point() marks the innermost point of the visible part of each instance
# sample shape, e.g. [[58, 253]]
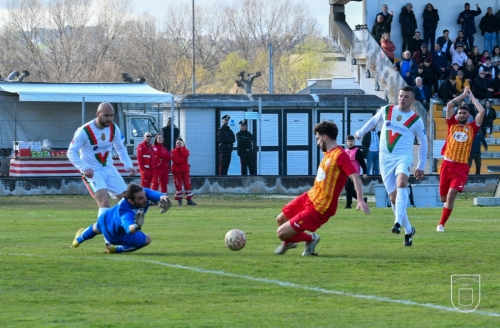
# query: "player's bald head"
[[105, 108]]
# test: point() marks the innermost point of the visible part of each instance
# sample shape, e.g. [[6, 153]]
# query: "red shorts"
[[303, 216], [453, 175]]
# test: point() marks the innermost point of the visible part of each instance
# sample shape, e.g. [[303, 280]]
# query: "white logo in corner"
[[465, 292]]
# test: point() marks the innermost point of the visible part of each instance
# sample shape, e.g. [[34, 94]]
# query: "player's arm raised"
[[358, 185], [450, 107], [480, 110]]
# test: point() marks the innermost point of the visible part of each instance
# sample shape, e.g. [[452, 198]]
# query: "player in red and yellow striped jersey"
[[314, 208], [456, 150]]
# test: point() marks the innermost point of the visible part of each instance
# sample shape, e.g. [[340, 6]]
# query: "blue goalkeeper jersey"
[[117, 220]]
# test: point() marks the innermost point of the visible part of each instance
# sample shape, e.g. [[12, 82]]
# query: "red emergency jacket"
[[146, 156], [180, 159]]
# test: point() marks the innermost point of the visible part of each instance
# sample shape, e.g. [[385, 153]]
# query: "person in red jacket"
[[180, 170], [146, 160], [162, 171]]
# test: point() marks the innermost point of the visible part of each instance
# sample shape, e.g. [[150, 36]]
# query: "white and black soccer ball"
[[235, 239]]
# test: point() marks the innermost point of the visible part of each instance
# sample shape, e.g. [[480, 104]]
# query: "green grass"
[[187, 278]]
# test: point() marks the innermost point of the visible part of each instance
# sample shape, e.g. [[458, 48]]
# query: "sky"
[[319, 8]]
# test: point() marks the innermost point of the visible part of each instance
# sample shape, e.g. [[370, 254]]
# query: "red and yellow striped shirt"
[[459, 140], [330, 180]]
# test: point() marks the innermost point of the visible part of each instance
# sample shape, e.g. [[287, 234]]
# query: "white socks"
[[401, 214], [102, 210]]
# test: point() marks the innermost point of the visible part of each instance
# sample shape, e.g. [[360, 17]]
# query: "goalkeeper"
[[121, 224]]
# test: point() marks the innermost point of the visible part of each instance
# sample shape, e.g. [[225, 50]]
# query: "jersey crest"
[[393, 137], [101, 158]]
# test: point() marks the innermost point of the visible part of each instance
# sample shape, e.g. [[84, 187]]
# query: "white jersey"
[[91, 147], [398, 133]]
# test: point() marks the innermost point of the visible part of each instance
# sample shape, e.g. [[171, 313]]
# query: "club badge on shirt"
[[399, 118], [103, 136]]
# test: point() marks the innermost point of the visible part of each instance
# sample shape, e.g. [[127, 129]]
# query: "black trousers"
[[350, 192], [224, 160], [247, 165], [476, 157]]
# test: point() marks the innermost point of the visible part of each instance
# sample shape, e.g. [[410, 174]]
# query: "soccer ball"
[[235, 239]]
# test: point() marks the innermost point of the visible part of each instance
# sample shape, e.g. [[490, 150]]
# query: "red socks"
[[445, 215]]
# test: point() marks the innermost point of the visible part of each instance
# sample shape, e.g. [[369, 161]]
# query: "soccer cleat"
[[365, 199], [309, 247], [409, 237], [110, 249], [396, 228], [191, 202], [440, 228], [347, 206], [78, 234], [283, 247], [179, 202]]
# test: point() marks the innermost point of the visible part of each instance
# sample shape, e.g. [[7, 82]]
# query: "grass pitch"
[[186, 277]]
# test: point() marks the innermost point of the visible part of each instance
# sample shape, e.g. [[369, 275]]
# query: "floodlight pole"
[[194, 68]]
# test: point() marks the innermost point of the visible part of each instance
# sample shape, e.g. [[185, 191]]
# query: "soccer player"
[[314, 208], [456, 150], [90, 152], [400, 127], [122, 224]]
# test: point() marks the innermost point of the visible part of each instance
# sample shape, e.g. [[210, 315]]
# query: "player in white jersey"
[[400, 127], [90, 152]]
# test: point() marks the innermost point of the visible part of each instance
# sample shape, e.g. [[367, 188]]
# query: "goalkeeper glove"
[[165, 204], [139, 218]]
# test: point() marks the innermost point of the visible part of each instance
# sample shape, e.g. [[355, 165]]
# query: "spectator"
[[475, 153], [483, 57], [458, 56], [431, 19], [388, 46], [470, 71], [496, 85], [475, 56], [405, 66], [246, 149], [415, 43], [408, 24], [381, 26], [225, 141], [495, 56], [418, 72], [463, 41], [440, 62], [488, 27], [466, 20], [461, 83], [490, 116], [371, 146], [497, 17], [385, 14], [180, 171], [454, 69], [422, 93], [146, 160], [482, 88], [445, 42], [430, 75], [488, 69], [162, 171], [357, 160], [422, 54], [447, 89], [167, 134]]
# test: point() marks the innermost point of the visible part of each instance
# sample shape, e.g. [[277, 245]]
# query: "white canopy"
[[92, 92]]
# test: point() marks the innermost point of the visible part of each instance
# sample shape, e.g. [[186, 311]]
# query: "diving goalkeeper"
[[122, 224]]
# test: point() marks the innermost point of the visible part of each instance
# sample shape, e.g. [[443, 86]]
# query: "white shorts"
[[389, 171], [106, 178]]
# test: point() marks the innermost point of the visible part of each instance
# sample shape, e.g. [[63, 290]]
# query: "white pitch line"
[[277, 282]]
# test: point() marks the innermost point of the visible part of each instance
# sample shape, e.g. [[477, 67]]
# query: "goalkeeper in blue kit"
[[121, 224]]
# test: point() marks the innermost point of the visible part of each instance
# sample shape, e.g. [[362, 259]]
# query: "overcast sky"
[[319, 8]]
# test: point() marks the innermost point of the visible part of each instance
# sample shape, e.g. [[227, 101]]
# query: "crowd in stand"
[[454, 63]]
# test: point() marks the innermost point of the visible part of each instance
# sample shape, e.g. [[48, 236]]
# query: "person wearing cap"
[[167, 134], [457, 54], [408, 24], [246, 149], [466, 20], [225, 141], [422, 54], [431, 19], [146, 160], [488, 27]]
